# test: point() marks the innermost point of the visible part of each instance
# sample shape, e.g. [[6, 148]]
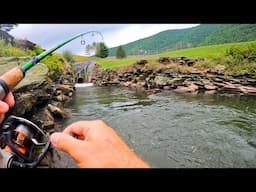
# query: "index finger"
[[78, 128], [9, 99]]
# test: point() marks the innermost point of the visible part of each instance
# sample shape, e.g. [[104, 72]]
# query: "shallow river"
[[170, 129]]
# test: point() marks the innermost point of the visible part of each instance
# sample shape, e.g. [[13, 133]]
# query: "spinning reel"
[[23, 144]]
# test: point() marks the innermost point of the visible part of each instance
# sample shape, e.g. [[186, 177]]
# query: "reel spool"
[[22, 142]]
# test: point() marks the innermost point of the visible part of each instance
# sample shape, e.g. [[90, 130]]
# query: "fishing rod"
[[11, 78], [22, 143]]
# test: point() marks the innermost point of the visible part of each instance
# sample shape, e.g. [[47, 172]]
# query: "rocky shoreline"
[[40, 99], [177, 74], [44, 103], [37, 97]]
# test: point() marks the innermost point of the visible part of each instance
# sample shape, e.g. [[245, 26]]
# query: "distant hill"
[[204, 34]]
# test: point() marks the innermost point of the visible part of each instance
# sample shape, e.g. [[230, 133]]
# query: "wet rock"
[[162, 81], [142, 77], [156, 91], [141, 84], [182, 89], [65, 89], [247, 89], [43, 118], [210, 86], [236, 88], [252, 143], [191, 88], [48, 125], [211, 92], [126, 84], [218, 80], [58, 92], [251, 81], [61, 98], [167, 87], [70, 94], [23, 103], [56, 111]]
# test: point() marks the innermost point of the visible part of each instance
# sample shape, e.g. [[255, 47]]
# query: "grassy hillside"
[[236, 57], [205, 34], [8, 50], [210, 51]]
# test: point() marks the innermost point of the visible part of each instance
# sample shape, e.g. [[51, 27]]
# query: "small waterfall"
[[84, 71]]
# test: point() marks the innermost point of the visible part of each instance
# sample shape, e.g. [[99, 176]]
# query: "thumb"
[[65, 142]]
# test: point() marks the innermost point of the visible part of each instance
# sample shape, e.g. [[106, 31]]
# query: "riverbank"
[[178, 74], [39, 98]]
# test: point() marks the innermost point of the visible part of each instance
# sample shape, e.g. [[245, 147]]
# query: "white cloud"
[[138, 31], [48, 35]]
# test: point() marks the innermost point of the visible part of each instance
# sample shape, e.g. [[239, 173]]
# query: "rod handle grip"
[[9, 80]]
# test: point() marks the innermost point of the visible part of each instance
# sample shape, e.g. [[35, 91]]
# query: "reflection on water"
[[173, 129]]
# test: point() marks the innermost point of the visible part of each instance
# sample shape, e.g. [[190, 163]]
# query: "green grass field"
[[80, 58], [204, 51], [109, 63]]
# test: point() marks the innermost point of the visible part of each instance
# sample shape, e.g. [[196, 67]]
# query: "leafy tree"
[[90, 48], [120, 53], [101, 50], [68, 56]]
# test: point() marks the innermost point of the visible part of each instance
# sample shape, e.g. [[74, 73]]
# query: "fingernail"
[[55, 138]]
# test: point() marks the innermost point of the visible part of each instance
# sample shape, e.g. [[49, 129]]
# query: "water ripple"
[[176, 130]]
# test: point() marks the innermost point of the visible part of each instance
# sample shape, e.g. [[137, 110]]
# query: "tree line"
[[102, 51]]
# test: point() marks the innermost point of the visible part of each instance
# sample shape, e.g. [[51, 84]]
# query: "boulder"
[[210, 86], [164, 60], [163, 81], [142, 62], [57, 111], [217, 70], [64, 88], [23, 103]]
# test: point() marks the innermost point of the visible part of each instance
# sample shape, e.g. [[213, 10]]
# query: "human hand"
[[96, 146], [5, 105]]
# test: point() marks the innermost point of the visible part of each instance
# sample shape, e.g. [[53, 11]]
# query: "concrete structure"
[[83, 71]]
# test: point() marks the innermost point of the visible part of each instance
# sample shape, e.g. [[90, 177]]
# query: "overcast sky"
[[48, 35]]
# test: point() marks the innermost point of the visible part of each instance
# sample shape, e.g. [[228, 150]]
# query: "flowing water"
[[173, 130]]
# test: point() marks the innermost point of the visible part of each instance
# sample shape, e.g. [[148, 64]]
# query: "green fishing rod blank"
[[11, 78], [38, 58]]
